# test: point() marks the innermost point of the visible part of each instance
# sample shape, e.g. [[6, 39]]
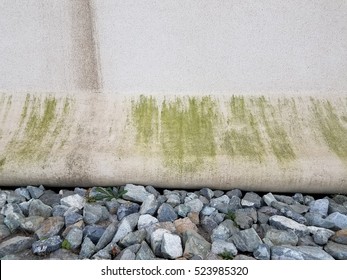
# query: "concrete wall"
[[224, 94]]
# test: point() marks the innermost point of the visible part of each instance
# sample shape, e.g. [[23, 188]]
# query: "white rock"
[[146, 220], [74, 200], [171, 246], [135, 193]]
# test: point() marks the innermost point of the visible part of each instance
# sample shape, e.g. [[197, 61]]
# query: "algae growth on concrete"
[[40, 125]]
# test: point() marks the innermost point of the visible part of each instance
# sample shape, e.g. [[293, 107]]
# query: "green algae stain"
[[146, 116], [40, 125], [279, 141], [187, 132], [183, 129], [330, 126], [243, 138]]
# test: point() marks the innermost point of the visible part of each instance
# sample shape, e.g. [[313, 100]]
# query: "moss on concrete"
[[331, 126]]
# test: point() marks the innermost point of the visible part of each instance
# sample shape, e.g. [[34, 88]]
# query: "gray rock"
[[285, 199], [218, 193], [243, 220], [59, 210], [72, 218], [195, 205], [208, 224], [45, 246], [112, 206], [93, 232], [149, 206], [103, 254], [87, 248], [182, 210], [38, 208], [74, 200], [23, 192], [206, 192], [145, 252], [35, 192], [315, 219], [126, 209], [286, 211], [15, 244], [107, 236], [281, 237], [320, 235], [166, 213], [11, 208], [207, 210], [242, 257], [135, 193], [13, 221], [222, 200], [251, 199], [279, 205], [94, 213], [152, 190], [299, 208], [3, 197], [224, 230], [262, 252], [126, 225], [299, 253], [195, 245], [156, 238], [126, 254], [340, 199], [320, 206], [74, 237], [270, 211], [308, 199], [24, 207], [338, 251], [146, 220], [335, 207], [63, 254], [171, 246], [12, 197], [50, 198], [339, 220], [234, 193], [31, 224], [246, 240], [307, 240], [298, 197], [50, 227], [285, 223], [173, 199], [134, 237], [221, 246], [234, 203], [269, 198], [4, 232]]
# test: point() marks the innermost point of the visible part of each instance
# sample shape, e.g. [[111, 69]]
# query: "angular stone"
[[285, 199], [320, 206], [93, 232], [262, 252], [340, 236], [38, 208], [93, 213], [135, 193], [145, 252], [245, 218], [298, 197], [206, 192], [126, 254], [299, 208], [171, 246], [339, 220], [269, 198], [11, 208], [195, 205], [234, 193], [338, 251], [50, 198], [15, 244], [173, 199], [35, 192], [4, 232], [284, 223], [134, 237], [146, 220], [107, 236], [320, 235], [222, 200], [74, 200], [59, 210], [31, 224], [149, 206], [166, 213], [307, 240], [46, 246], [335, 207], [195, 245], [50, 227], [13, 221], [23, 192], [182, 210], [221, 246], [224, 230], [112, 206], [183, 225], [126, 225], [156, 238], [299, 253], [207, 210], [87, 248], [208, 224], [251, 199], [281, 237], [289, 213], [72, 218], [75, 237], [315, 219], [152, 190], [126, 209], [246, 240], [218, 193]]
